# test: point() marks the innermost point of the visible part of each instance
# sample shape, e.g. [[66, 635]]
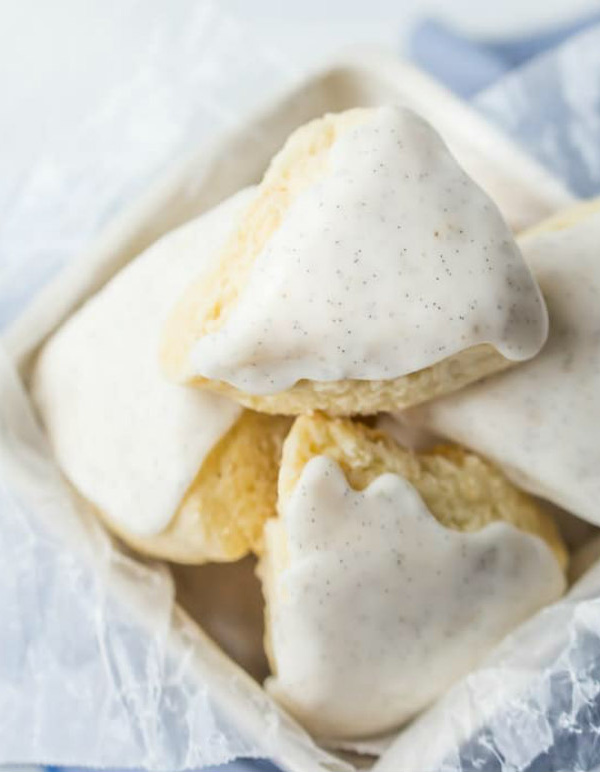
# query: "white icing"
[[127, 438], [541, 422], [393, 260], [380, 608]]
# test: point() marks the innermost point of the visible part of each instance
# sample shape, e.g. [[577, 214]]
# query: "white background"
[[57, 57]]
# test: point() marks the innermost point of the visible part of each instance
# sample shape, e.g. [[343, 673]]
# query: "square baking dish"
[[524, 191]]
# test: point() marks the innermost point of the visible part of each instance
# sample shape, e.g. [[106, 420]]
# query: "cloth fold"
[[467, 66]]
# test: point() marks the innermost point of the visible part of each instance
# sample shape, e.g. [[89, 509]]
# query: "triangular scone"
[[368, 273], [541, 422], [177, 473], [389, 575]]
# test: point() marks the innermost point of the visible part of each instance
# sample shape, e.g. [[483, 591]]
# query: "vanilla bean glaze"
[[541, 421], [391, 261], [131, 441], [375, 608]]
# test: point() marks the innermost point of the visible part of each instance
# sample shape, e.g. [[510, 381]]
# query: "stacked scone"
[[223, 395]]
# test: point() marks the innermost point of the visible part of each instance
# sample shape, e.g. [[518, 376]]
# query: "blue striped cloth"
[[468, 66]]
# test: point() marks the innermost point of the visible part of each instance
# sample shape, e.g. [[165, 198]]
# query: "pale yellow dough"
[[222, 516], [206, 304], [353, 397]]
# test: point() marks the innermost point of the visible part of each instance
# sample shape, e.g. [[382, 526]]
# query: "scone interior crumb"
[[461, 490], [223, 513], [236, 487]]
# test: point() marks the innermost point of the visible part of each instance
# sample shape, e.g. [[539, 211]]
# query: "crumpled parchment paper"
[[98, 666], [533, 706]]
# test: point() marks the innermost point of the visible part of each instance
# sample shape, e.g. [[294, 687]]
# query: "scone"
[[541, 422], [388, 575], [367, 273], [177, 473]]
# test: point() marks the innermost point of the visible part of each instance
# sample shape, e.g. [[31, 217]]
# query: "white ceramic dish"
[[523, 190]]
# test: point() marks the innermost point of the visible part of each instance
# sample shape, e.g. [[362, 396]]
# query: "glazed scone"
[[222, 514], [176, 473], [541, 421], [368, 273], [388, 575]]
